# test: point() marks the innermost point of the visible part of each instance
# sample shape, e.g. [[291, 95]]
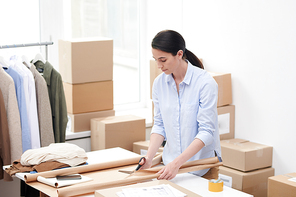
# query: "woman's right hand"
[[146, 164]]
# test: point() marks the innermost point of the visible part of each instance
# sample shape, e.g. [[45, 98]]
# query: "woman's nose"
[[159, 65]]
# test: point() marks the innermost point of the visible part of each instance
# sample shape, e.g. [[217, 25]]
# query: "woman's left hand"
[[169, 171]]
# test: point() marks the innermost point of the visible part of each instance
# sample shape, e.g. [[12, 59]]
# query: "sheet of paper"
[[292, 179], [163, 190], [61, 183]]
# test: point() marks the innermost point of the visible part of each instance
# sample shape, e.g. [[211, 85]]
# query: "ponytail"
[[171, 42], [192, 59]]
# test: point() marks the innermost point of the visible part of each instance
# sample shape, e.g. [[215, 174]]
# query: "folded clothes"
[[42, 167], [66, 153]]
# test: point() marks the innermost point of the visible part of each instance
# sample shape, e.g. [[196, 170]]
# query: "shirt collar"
[[187, 77], [47, 70]]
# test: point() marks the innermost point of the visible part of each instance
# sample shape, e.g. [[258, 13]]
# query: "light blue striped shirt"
[[191, 114]]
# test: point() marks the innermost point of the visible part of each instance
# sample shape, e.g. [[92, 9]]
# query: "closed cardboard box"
[[117, 131], [86, 60], [223, 80], [253, 182], [226, 119], [89, 97], [81, 122], [142, 146], [282, 185], [244, 155], [154, 72]]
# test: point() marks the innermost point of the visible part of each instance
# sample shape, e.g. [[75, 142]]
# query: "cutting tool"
[[138, 167]]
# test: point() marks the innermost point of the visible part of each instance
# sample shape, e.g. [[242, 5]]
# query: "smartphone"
[[69, 177]]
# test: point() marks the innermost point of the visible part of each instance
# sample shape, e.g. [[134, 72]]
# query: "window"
[[19, 25], [119, 20]]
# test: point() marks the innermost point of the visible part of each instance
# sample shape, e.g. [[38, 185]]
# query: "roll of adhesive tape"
[[215, 185]]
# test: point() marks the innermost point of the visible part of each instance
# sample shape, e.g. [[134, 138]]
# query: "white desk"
[[191, 182]]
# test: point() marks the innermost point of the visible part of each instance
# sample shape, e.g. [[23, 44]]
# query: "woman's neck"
[[180, 72]]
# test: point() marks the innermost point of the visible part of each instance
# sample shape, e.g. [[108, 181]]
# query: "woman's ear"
[[180, 54]]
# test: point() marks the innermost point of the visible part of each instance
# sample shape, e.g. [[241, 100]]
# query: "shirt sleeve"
[[207, 114], [158, 126]]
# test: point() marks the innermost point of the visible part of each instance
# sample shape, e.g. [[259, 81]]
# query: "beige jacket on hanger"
[[13, 114], [43, 109], [4, 140]]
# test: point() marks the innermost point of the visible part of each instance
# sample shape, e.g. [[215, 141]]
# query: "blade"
[[127, 171]]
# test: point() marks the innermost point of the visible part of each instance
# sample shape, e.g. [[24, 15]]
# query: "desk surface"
[[191, 182]]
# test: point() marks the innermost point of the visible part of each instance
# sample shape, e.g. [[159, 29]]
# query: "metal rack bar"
[[28, 45]]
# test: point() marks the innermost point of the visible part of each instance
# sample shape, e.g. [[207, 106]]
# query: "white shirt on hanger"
[[32, 105]]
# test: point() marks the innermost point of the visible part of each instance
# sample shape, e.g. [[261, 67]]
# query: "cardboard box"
[[86, 60], [111, 192], [81, 122], [224, 88], [89, 97], [254, 182], [223, 80], [154, 72], [226, 119], [142, 147], [244, 155], [282, 185], [117, 131]]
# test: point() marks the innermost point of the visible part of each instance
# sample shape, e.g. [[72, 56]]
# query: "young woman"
[[185, 108]]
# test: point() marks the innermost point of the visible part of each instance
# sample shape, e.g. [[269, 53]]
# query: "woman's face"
[[166, 61]]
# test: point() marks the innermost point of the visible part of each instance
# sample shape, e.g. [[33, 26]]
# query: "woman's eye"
[[163, 60]]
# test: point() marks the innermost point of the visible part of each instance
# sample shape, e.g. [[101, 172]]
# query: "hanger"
[[25, 61], [3, 62], [39, 57]]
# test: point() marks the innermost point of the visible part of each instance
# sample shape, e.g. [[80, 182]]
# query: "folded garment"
[[42, 167], [66, 153]]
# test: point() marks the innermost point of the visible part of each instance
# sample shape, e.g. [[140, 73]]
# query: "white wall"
[[254, 41]]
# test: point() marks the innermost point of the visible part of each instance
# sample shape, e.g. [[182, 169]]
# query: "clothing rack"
[[28, 45]]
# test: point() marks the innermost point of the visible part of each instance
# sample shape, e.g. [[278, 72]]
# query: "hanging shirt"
[[5, 158], [191, 113], [31, 96], [13, 114], [43, 108], [21, 100], [57, 99]]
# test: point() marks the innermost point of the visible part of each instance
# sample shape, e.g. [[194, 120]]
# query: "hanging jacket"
[[43, 108], [57, 99], [4, 140], [13, 115]]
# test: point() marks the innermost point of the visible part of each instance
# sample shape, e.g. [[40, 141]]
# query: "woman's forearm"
[[155, 141], [190, 151]]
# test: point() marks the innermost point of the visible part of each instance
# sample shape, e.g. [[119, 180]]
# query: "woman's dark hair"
[[171, 42]]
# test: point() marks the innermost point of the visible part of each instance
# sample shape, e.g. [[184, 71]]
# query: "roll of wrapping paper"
[[82, 169], [139, 176]]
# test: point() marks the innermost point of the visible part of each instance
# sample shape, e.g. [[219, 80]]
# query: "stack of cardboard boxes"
[[86, 67], [246, 166]]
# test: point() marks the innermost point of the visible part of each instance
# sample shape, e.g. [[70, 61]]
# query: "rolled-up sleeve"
[[158, 126], [207, 114]]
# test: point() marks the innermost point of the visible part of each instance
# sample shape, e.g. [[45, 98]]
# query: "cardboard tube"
[[82, 169], [91, 187]]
